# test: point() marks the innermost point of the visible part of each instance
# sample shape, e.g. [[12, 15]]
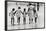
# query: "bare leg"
[[13, 21], [24, 20], [18, 20], [35, 19], [30, 20]]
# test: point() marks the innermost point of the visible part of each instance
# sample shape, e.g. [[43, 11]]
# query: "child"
[[30, 14], [35, 15], [12, 16], [18, 14]]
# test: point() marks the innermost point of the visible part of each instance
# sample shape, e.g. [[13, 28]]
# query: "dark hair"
[[30, 4], [13, 9], [19, 7]]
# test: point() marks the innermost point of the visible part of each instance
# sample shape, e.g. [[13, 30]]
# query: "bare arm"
[[9, 13]]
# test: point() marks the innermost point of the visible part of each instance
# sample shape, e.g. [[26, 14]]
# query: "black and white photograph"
[[24, 15]]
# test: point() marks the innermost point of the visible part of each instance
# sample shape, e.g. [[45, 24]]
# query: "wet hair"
[[19, 7], [30, 4], [13, 9]]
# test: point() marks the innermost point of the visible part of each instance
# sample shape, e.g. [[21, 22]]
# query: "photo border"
[[27, 2]]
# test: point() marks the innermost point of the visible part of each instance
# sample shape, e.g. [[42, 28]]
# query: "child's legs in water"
[[18, 20], [12, 21]]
